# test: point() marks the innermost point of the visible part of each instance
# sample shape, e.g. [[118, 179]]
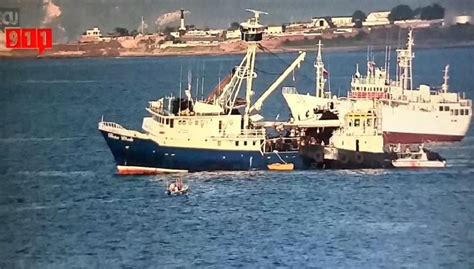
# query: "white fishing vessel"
[[184, 134], [409, 115]]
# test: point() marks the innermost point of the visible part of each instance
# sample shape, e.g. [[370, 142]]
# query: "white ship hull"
[[402, 124], [405, 123], [418, 164]]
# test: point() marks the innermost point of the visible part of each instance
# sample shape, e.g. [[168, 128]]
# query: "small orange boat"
[[281, 166]]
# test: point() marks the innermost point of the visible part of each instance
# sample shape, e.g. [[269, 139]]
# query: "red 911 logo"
[[25, 38]]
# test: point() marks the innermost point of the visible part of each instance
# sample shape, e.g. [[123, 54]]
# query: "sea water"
[[63, 206]]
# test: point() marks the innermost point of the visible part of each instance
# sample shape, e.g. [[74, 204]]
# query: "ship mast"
[[251, 33], [320, 80], [405, 64], [445, 86]]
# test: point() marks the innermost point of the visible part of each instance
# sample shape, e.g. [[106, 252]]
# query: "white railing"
[[289, 90], [255, 132], [118, 129], [110, 125], [247, 133]]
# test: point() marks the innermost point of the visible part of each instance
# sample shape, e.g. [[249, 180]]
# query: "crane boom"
[[296, 63]]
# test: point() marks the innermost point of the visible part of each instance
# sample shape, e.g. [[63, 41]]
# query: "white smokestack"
[[182, 27]]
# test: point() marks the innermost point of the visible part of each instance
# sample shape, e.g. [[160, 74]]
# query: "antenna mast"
[[388, 64], [405, 63], [320, 80], [251, 33], [445, 86]]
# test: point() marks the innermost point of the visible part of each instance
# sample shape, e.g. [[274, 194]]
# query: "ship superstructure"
[[409, 115]]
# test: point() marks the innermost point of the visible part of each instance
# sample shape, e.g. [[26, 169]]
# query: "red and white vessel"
[[409, 115]]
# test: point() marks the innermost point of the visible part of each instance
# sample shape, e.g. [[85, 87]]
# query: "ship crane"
[[296, 64], [251, 32]]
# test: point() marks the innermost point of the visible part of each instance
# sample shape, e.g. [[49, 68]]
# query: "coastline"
[[217, 51], [282, 50]]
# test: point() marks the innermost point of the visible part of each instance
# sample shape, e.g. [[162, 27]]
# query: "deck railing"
[[110, 125]]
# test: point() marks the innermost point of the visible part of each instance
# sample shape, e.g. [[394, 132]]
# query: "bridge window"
[[446, 108], [456, 112], [441, 108], [467, 112], [167, 121], [171, 123], [461, 112], [356, 122]]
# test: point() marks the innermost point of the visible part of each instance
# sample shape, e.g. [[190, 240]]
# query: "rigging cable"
[[283, 61]]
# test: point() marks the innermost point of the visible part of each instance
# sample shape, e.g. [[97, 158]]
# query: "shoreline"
[[5, 55]]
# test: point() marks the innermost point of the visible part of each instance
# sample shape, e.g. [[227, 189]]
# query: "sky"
[[75, 16]]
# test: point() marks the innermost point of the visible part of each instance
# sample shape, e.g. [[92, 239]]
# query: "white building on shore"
[[232, 34], [274, 30], [92, 35], [342, 21], [320, 23], [379, 18]]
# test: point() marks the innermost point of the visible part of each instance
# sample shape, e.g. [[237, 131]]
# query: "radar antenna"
[[256, 13]]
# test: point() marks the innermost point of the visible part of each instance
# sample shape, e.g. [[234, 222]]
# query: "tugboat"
[[360, 144], [187, 135]]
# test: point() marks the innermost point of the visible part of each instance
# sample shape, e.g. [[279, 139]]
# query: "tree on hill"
[[234, 26], [169, 29], [432, 12], [358, 17], [401, 13], [134, 33], [120, 31]]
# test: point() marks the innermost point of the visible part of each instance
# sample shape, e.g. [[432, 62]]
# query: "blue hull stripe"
[[147, 153]]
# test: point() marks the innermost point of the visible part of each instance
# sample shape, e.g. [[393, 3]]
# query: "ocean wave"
[[58, 81], [40, 139], [393, 227], [57, 173], [35, 206]]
